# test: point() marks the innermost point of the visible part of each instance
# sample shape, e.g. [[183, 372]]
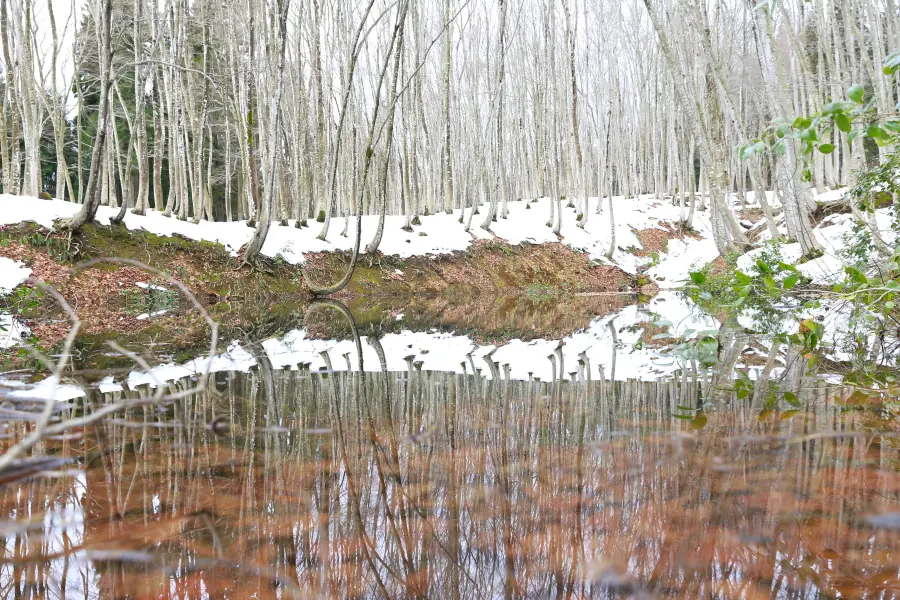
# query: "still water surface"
[[348, 483]]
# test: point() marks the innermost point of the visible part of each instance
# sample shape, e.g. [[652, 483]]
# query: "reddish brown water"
[[290, 484]]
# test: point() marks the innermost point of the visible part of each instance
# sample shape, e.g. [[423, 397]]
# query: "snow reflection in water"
[[286, 482]]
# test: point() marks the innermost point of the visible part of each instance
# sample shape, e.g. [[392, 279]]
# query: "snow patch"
[[12, 274], [150, 286], [440, 233]]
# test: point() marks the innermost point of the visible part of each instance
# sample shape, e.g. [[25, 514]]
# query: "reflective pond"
[[545, 473]]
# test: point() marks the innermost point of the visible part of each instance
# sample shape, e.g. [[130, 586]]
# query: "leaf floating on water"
[[699, 422]]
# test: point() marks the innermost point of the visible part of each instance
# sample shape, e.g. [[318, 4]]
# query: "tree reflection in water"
[[290, 483]]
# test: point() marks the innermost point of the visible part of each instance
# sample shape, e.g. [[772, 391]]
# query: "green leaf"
[[742, 278], [837, 107], [878, 134], [688, 408], [782, 130], [809, 135], [770, 284], [843, 122], [698, 278], [708, 350], [783, 266], [792, 399], [856, 93], [856, 275], [892, 125], [791, 281], [779, 148], [826, 148], [802, 123], [892, 63], [684, 417]]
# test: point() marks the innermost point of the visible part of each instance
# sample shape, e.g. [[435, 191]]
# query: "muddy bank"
[[457, 290], [490, 267]]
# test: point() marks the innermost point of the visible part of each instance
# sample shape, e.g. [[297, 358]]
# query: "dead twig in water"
[[42, 428]]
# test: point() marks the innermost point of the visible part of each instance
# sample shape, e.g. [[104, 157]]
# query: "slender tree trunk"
[[255, 245], [91, 197]]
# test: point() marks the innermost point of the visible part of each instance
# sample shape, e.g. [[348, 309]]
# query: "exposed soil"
[[718, 266], [490, 267], [655, 240], [753, 214]]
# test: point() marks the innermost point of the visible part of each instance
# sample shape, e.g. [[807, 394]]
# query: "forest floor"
[[444, 233], [121, 301], [439, 273]]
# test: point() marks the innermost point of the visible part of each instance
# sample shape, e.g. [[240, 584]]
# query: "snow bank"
[[438, 234], [12, 274], [833, 234], [527, 223]]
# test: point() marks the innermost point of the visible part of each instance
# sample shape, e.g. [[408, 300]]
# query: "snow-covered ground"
[[12, 274], [438, 234], [442, 233], [833, 234]]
